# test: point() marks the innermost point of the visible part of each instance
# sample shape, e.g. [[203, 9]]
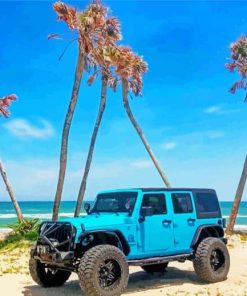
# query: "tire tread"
[[200, 261]]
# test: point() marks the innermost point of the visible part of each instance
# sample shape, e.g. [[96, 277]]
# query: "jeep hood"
[[98, 222]]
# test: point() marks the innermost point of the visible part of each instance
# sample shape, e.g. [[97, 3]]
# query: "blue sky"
[[195, 126]]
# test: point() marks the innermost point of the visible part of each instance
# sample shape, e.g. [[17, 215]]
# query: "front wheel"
[[212, 260], [103, 271], [45, 276]]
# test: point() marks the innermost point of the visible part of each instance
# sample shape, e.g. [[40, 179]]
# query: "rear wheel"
[[155, 267], [212, 261], [45, 276], [103, 271]]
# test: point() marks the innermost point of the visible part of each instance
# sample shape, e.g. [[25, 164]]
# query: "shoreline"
[[5, 230], [4, 233]]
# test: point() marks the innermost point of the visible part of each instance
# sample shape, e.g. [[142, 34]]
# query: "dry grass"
[[14, 258]]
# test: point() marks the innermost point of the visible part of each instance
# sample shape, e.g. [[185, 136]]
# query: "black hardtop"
[[194, 190]]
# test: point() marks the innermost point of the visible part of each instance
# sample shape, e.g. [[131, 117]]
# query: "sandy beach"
[[179, 279], [4, 232]]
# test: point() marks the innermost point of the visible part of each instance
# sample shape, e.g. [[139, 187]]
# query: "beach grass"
[[243, 237], [14, 257], [17, 240]]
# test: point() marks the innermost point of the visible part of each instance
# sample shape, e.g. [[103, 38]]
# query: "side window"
[[156, 201], [207, 205], [182, 203]]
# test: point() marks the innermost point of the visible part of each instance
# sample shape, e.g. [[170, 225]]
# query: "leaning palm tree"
[[69, 15], [90, 27], [130, 68], [239, 64], [102, 56], [91, 146], [4, 104]]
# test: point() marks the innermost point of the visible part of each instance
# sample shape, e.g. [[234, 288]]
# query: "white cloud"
[[22, 128], [221, 110], [215, 134], [141, 164], [169, 145], [36, 178], [213, 109]]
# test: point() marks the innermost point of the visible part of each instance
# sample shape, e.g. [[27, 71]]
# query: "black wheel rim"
[[109, 273], [217, 259]]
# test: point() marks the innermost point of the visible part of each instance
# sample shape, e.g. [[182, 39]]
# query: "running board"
[[158, 260]]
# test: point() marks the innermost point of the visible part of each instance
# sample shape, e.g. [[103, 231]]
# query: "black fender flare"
[[123, 244], [218, 229]]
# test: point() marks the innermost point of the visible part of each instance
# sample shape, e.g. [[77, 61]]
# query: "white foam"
[[39, 216], [238, 216], [240, 227], [5, 230]]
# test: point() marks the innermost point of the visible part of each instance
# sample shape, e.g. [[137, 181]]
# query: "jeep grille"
[[60, 235]]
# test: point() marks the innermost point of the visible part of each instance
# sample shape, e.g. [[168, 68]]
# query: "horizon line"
[[83, 201]]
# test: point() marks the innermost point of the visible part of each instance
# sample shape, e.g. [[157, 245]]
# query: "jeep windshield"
[[115, 202]]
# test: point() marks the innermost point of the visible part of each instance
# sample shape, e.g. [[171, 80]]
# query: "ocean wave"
[[69, 215], [238, 216], [40, 216]]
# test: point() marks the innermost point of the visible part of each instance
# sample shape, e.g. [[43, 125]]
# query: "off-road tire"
[[47, 278], [90, 268], [161, 267], [203, 264]]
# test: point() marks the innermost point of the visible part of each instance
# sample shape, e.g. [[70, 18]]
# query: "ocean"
[[43, 210]]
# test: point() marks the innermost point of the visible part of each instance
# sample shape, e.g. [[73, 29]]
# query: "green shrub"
[[17, 240], [25, 226], [25, 231]]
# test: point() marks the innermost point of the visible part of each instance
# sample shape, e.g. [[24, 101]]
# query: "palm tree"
[[11, 192], [102, 56], [4, 104], [90, 26], [91, 146], [237, 199], [130, 68], [238, 63], [69, 15]]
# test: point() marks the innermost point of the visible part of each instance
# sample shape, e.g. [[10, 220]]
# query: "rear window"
[[207, 205]]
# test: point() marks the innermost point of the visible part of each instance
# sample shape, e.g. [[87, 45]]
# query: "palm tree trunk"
[[11, 192], [91, 148], [140, 133], [65, 135], [237, 199]]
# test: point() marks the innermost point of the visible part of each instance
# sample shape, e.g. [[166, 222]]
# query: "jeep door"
[[156, 231], [184, 219]]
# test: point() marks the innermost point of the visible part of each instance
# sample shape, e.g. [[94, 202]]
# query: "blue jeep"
[[144, 227]]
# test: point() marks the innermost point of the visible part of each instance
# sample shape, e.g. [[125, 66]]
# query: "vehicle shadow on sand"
[[173, 277], [138, 281]]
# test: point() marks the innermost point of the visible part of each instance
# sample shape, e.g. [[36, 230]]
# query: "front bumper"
[[55, 245]]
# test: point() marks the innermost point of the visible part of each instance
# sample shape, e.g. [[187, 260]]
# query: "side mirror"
[[87, 207], [145, 211]]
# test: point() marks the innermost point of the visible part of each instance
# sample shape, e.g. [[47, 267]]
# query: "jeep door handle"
[[191, 220], [166, 221]]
